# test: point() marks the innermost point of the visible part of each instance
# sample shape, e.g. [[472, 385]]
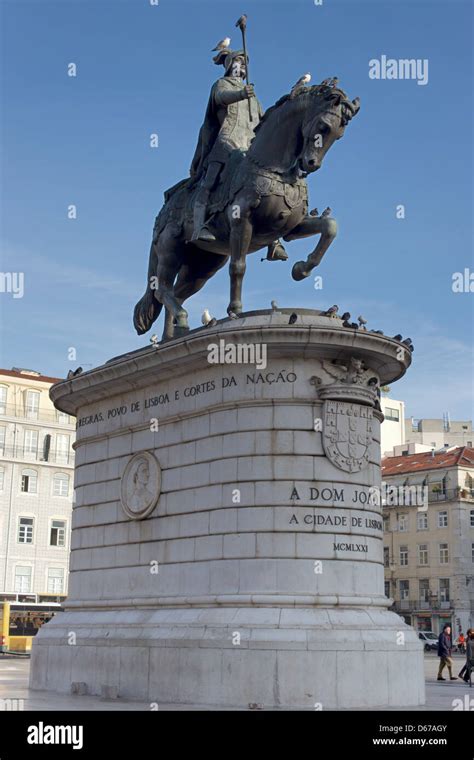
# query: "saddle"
[[179, 199]]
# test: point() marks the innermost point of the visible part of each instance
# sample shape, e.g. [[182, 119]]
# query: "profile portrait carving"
[[141, 485]]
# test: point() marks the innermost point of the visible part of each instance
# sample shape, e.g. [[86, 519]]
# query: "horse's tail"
[[146, 311], [148, 308]]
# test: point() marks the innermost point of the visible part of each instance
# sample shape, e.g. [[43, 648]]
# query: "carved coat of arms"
[[347, 434]]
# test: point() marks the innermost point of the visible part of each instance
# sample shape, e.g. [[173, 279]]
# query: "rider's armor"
[[229, 125]]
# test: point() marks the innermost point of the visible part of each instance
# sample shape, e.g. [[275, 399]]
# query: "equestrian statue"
[[246, 190]]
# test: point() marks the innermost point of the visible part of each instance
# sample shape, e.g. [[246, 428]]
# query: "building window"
[[55, 580], [3, 432], [387, 588], [61, 484], [386, 556], [403, 556], [46, 447], [403, 523], [57, 536], [3, 399], [444, 589], [422, 521], [25, 530], [425, 624], [442, 519], [386, 523], [443, 554], [424, 587], [22, 579], [404, 589], [62, 448], [422, 554], [29, 481], [472, 518], [2, 478], [472, 552], [31, 442], [391, 414], [32, 404]]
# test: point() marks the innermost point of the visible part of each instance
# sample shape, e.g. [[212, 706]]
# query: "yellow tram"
[[20, 621]]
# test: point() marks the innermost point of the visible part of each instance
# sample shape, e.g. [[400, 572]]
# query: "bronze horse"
[[262, 196]]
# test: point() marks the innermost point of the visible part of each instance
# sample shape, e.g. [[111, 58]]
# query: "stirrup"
[[205, 234], [276, 252]]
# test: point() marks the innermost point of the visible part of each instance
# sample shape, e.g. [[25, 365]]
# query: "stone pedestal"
[[227, 532]]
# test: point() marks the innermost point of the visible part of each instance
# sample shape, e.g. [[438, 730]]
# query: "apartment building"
[[392, 430], [429, 543], [400, 435], [36, 487], [439, 433]]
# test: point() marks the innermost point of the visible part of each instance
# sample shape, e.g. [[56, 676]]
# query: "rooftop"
[[29, 374], [461, 456]]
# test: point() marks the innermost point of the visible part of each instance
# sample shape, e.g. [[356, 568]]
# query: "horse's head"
[[327, 115], [295, 134]]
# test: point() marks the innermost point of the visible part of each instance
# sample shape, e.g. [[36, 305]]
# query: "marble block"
[[227, 530]]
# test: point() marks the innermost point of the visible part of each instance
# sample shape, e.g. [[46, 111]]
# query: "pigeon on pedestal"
[[331, 312], [207, 319], [74, 373]]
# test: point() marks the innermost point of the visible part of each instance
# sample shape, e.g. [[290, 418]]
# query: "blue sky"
[[143, 69]]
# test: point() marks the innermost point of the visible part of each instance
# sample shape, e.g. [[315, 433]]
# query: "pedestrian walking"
[[462, 672], [445, 646], [468, 667], [470, 656]]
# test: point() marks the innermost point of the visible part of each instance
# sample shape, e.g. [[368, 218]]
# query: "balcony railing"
[[406, 498], [20, 452], [451, 493], [53, 416], [422, 604]]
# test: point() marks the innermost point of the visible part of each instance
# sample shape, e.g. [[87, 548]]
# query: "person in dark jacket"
[[469, 664], [445, 645], [470, 656], [462, 673]]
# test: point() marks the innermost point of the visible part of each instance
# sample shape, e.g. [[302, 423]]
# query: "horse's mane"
[[329, 96]]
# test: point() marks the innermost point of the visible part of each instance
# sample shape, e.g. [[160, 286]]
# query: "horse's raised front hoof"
[[298, 272]]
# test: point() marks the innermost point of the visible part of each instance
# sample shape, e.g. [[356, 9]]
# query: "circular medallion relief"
[[141, 485]]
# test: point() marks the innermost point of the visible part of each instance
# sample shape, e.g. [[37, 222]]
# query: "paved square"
[[14, 674]]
